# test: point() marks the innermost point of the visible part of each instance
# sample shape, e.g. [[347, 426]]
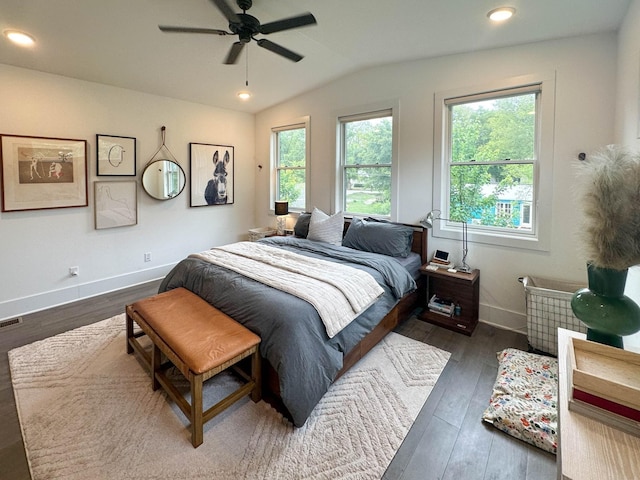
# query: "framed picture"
[[42, 172], [116, 155], [211, 174], [116, 204]]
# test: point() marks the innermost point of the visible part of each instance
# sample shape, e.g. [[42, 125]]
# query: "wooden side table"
[[463, 289], [589, 449]]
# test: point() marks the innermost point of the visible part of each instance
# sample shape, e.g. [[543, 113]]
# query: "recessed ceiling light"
[[501, 14], [244, 95], [19, 38]]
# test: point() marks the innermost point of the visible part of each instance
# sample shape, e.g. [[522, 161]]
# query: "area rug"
[[87, 410]]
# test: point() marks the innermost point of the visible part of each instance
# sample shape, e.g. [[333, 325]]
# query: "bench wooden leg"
[[156, 360], [129, 333], [256, 365], [196, 410]]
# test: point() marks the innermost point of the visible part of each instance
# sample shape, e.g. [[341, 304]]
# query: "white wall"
[[38, 247], [628, 86], [584, 118]]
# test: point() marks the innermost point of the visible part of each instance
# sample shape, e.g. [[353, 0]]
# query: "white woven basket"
[[549, 308]]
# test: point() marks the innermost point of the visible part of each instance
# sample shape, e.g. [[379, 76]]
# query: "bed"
[[300, 358]]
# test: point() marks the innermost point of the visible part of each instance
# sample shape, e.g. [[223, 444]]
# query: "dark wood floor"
[[447, 441]]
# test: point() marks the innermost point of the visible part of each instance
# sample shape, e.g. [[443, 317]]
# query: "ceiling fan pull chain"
[[246, 74]]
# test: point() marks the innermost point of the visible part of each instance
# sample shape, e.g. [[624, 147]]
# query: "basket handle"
[[524, 281]]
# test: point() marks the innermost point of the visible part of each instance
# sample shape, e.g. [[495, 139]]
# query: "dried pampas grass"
[[609, 194]]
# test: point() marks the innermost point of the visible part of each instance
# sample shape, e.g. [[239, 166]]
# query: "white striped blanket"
[[338, 292]]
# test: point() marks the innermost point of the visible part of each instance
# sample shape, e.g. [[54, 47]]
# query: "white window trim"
[[540, 239], [364, 112], [302, 122]]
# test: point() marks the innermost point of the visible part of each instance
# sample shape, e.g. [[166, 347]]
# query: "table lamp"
[[434, 215], [281, 210]]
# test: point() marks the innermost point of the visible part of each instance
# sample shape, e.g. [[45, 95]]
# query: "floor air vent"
[[10, 321]]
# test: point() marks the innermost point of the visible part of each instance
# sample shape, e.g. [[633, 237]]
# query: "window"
[[504, 211], [366, 152], [290, 154], [494, 167]]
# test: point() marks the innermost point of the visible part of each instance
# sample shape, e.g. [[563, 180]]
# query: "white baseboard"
[[53, 298], [505, 319]]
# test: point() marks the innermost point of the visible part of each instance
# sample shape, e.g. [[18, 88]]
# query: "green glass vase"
[[604, 308]]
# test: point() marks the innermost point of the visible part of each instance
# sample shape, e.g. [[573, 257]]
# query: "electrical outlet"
[[147, 257], [74, 271]]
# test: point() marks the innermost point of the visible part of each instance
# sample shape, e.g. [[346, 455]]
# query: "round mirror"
[[163, 179]]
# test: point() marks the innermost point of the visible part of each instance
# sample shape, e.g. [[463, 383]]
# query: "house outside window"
[[493, 162], [366, 151], [290, 153]]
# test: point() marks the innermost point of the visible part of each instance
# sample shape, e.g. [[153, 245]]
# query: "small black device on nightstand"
[[442, 256]]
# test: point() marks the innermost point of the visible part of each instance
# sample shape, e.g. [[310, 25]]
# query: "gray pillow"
[[301, 228], [379, 237]]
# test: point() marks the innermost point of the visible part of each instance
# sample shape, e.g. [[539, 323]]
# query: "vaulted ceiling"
[[117, 42]]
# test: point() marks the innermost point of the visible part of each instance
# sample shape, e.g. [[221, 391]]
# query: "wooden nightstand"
[[462, 289]]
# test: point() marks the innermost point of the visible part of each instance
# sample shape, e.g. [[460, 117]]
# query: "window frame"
[[387, 109], [301, 123], [539, 238]]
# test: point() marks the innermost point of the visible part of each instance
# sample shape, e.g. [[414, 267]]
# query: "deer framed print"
[[211, 174], [116, 155], [41, 172]]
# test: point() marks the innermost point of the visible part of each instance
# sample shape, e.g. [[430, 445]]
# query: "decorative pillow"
[[524, 402], [301, 228], [379, 237], [325, 228]]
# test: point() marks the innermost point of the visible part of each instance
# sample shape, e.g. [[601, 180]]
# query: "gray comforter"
[[294, 339]]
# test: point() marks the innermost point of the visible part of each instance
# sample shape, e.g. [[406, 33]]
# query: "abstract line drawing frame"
[[212, 174], [43, 172], [116, 155], [116, 204]]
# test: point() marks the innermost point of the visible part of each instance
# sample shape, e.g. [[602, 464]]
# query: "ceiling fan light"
[[501, 14], [19, 38], [244, 95]]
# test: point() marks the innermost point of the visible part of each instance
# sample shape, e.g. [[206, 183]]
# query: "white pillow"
[[325, 228]]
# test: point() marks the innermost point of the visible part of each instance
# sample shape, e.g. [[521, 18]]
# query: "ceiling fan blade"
[[170, 29], [280, 50], [227, 11], [234, 52], [288, 23]]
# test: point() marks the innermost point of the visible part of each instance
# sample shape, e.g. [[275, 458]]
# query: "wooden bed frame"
[[399, 313]]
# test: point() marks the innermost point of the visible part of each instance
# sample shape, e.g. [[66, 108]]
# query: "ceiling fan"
[[246, 27]]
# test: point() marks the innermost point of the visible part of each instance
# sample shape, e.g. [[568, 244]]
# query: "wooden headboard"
[[418, 244]]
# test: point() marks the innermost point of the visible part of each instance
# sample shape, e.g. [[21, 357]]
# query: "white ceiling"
[[117, 42]]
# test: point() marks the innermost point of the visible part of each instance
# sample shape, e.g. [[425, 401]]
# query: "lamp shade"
[[282, 208], [428, 220]]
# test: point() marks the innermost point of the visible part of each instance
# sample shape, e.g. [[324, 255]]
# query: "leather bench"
[[200, 341]]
